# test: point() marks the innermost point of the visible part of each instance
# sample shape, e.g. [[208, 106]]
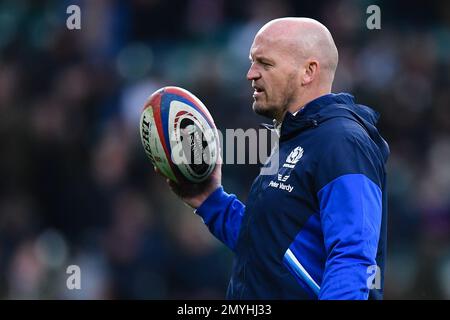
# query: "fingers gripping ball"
[[179, 135]]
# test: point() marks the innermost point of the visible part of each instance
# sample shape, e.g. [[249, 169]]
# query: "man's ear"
[[311, 70]]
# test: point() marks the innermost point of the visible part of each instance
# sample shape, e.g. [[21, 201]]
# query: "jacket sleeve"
[[222, 213], [348, 181]]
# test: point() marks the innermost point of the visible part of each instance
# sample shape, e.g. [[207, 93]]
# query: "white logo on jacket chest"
[[293, 157], [285, 171], [289, 164]]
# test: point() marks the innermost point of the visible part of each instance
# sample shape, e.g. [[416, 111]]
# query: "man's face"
[[274, 77]]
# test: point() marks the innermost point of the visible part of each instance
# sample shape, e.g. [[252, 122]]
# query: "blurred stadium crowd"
[[76, 187]]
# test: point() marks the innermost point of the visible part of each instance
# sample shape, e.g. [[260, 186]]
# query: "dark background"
[[76, 187]]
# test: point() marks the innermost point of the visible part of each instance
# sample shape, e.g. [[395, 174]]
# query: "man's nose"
[[253, 74]]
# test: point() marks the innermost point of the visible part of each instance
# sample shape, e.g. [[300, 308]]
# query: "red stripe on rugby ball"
[[155, 103], [190, 97]]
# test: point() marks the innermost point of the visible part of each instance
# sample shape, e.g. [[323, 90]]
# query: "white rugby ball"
[[179, 135]]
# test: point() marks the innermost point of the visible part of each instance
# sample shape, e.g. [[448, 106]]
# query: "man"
[[323, 234]]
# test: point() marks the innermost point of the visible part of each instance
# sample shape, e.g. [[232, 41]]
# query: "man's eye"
[[264, 64]]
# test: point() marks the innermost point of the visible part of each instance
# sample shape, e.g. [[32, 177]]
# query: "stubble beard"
[[276, 111]]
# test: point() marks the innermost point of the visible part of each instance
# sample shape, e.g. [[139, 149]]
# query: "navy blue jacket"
[[316, 227]]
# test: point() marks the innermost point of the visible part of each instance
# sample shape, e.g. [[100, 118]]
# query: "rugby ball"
[[179, 135]]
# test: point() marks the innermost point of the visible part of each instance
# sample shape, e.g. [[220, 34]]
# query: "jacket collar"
[[309, 116]]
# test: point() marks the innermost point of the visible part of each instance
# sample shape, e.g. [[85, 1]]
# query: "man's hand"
[[193, 194]]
